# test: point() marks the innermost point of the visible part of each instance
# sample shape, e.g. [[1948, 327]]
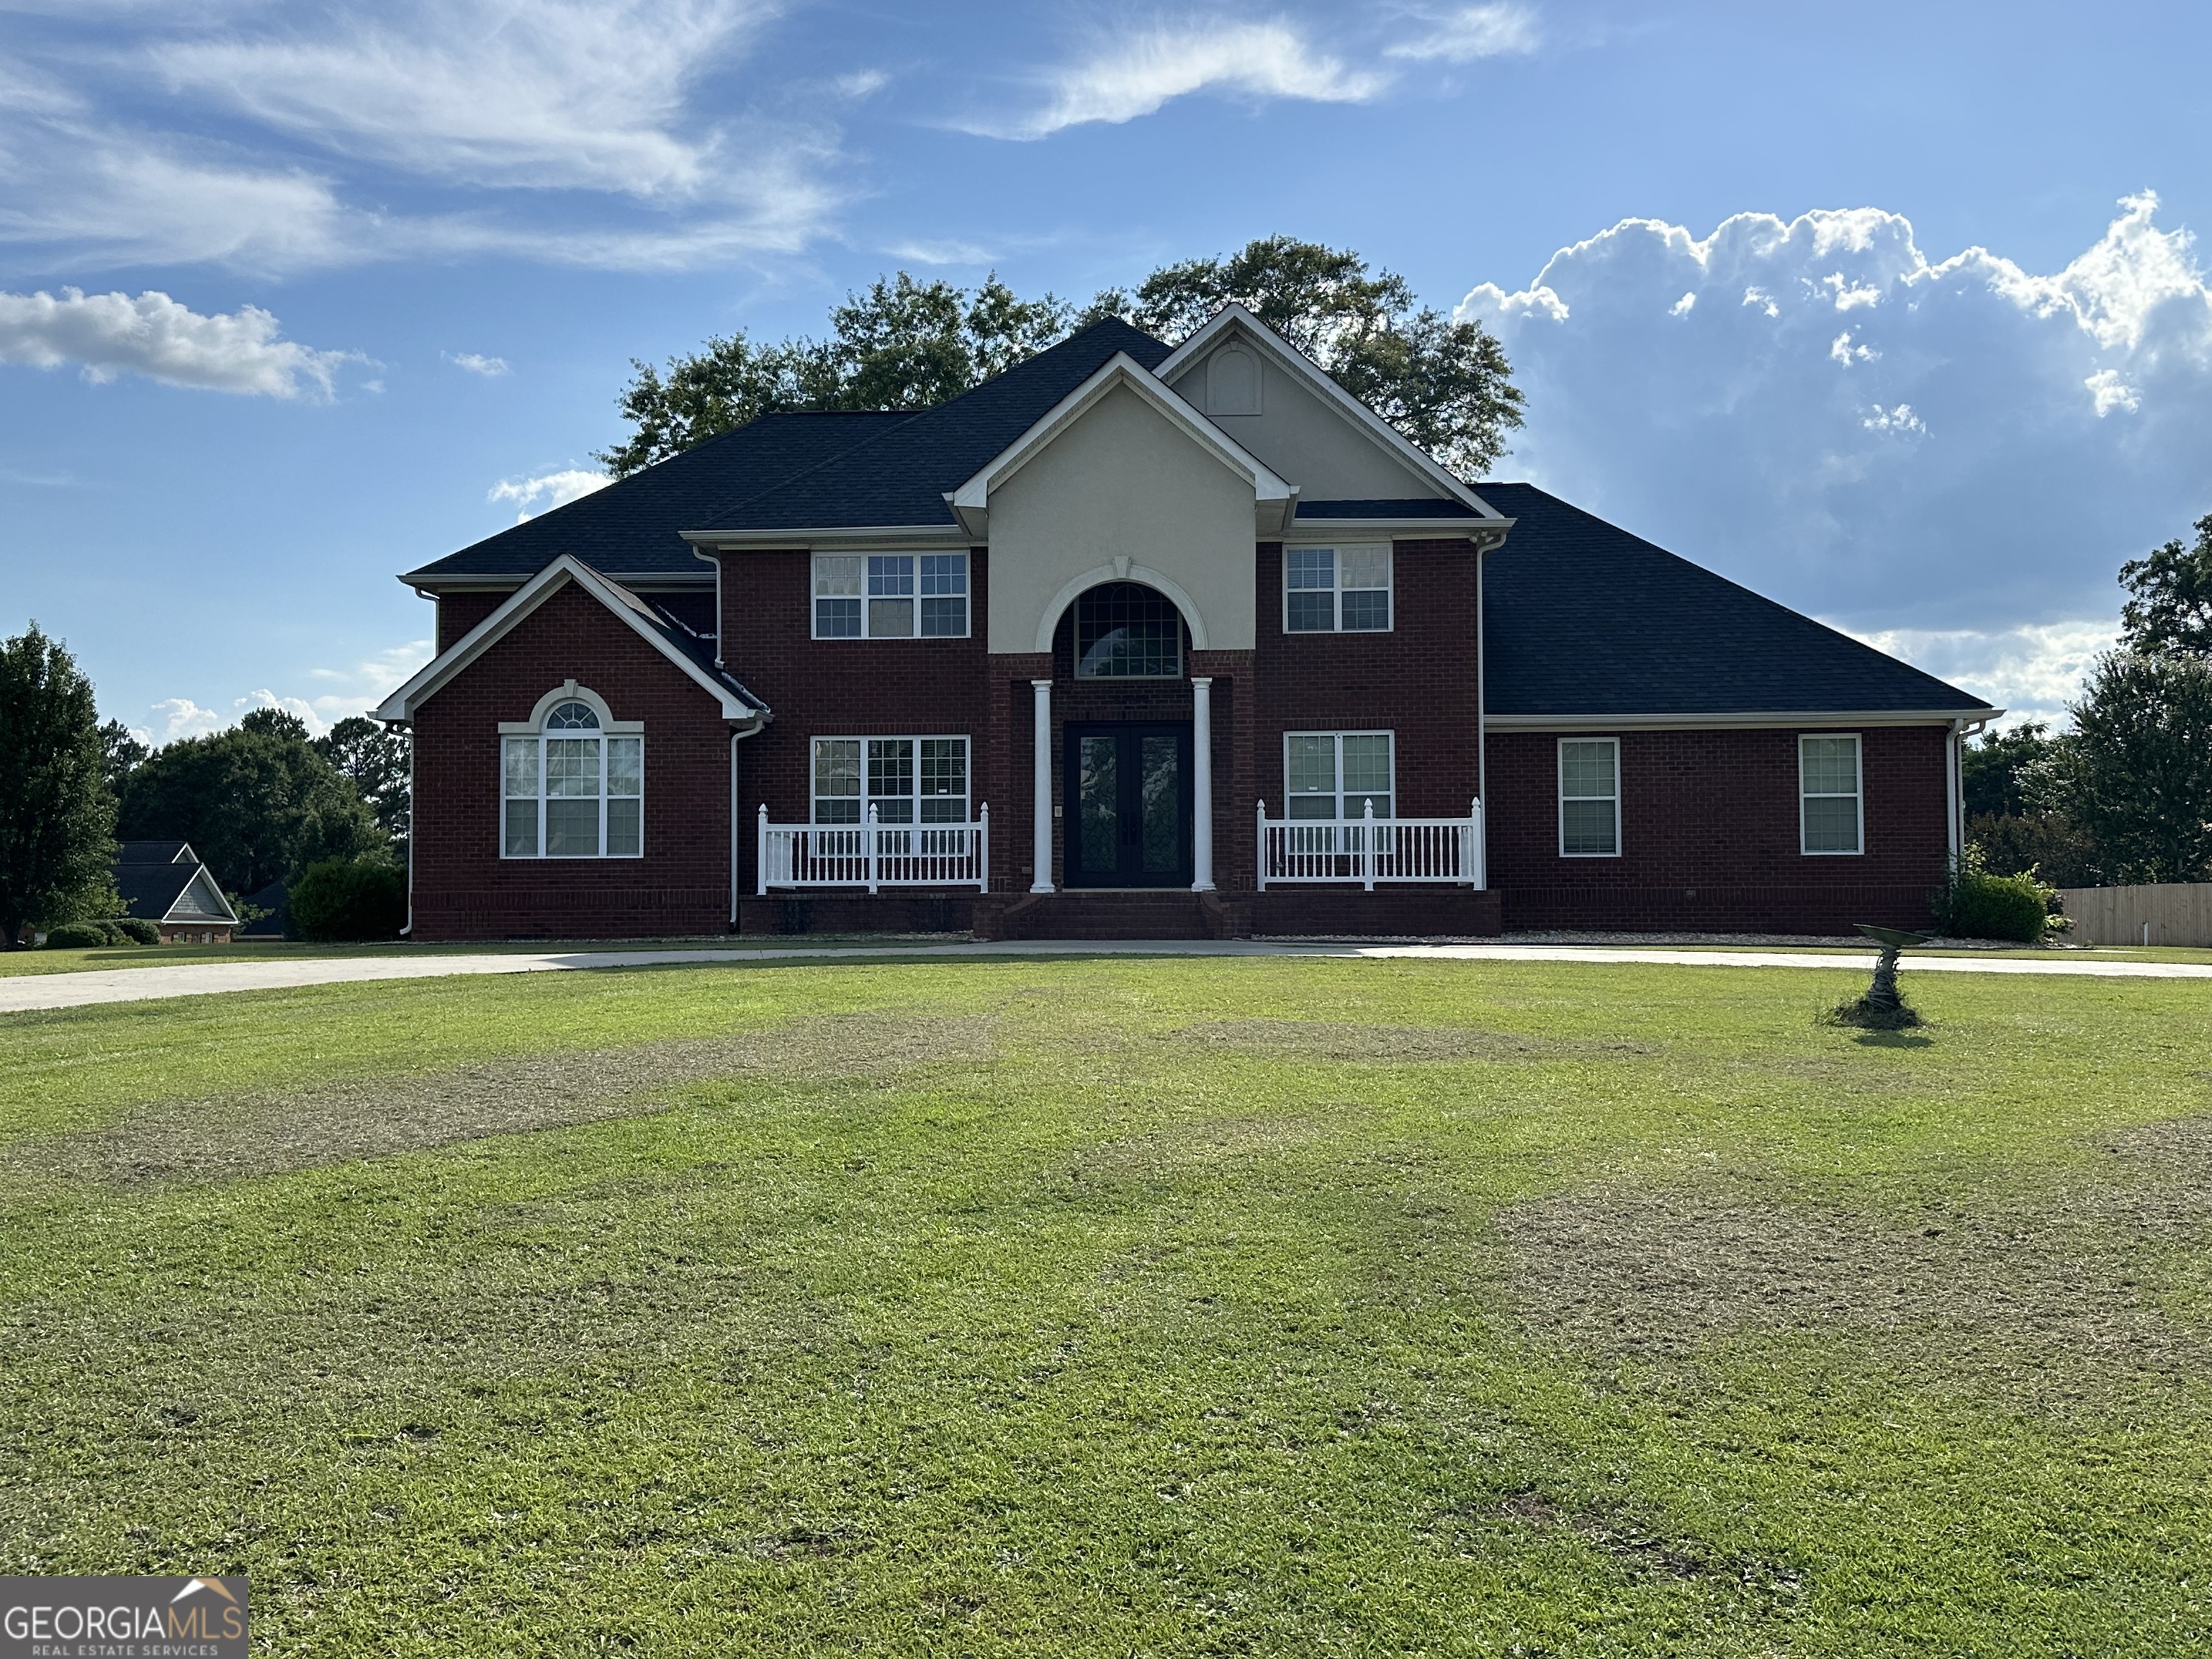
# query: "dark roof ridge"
[[950, 405]]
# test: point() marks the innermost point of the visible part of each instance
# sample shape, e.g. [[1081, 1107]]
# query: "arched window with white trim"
[[572, 781]]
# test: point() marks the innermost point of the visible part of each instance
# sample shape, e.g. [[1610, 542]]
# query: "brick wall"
[[464, 889], [1709, 835], [1419, 680]]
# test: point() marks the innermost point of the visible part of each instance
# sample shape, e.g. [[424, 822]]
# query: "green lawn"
[[1299, 1307]]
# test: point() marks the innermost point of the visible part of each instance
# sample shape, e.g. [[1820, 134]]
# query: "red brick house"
[[1143, 641]]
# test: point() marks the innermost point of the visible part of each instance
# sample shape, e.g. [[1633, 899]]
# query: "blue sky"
[[1889, 311]]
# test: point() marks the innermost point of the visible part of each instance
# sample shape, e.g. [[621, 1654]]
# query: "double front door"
[[1128, 806]]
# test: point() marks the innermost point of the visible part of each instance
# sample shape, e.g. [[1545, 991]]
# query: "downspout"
[[408, 931], [738, 735], [1954, 771], [1481, 712]]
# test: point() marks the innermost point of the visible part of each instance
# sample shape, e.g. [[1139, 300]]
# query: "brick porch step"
[[1079, 914]]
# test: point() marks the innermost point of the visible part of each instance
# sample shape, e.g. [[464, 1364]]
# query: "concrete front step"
[[1097, 916]]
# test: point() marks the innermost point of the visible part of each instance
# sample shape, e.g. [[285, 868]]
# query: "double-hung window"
[[1832, 814], [906, 780], [571, 788], [1338, 775], [1336, 590], [1589, 798], [891, 596]]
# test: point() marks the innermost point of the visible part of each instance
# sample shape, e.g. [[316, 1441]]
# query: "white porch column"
[[1041, 845], [1201, 784]]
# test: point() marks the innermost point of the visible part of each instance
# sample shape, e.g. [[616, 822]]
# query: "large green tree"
[[1445, 384], [904, 344], [2136, 772], [2169, 605], [379, 761], [57, 816], [258, 803]]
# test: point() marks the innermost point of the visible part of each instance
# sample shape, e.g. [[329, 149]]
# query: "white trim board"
[[399, 708]]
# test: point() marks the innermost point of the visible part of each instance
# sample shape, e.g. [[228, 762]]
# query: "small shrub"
[[1975, 904], [349, 899], [137, 930], [79, 936]]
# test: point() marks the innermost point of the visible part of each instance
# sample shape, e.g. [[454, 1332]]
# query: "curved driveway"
[[22, 993]]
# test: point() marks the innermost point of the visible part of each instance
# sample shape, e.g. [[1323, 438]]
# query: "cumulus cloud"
[[477, 363], [552, 488], [1472, 33], [355, 690], [1964, 456], [342, 692], [1137, 73], [2029, 672], [153, 335]]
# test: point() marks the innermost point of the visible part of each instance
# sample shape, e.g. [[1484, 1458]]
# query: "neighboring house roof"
[[901, 476], [1582, 618], [156, 852], [172, 892], [272, 902], [629, 528], [690, 653]]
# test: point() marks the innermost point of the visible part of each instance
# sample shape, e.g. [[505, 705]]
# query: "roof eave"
[[802, 538], [1498, 720]]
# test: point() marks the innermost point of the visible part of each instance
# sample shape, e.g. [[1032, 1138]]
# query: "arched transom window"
[[571, 787], [1125, 630]]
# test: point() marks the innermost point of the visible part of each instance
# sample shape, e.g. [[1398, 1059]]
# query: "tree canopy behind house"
[[259, 803], [903, 344], [56, 816], [378, 760]]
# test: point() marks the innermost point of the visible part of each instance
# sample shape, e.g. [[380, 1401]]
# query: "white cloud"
[[1471, 32], [2107, 393], [606, 133], [1899, 420], [1138, 72], [1683, 307], [357, 689], [1960, 476], [1843, 351], [153, 335], [2030, 672], [554, 489], [344, 692], [947, 253], [562, 93], [477, 363]]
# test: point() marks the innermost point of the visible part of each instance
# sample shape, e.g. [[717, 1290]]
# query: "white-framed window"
[[906, 779], [1336, 590], [572, 782], [1589, 798], [1336, 775], [1831, 805], [891, 596]]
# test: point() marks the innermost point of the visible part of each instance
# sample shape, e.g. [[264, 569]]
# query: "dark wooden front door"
[[1128, 812]]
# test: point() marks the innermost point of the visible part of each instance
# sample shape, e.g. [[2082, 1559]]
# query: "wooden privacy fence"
[[2175, 912]]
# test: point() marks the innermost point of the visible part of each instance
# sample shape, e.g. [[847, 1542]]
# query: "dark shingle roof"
[[1420, 506], [901, 475], [629, 528], [151, 890], [701, 652], [1583, 618], [153, 852]]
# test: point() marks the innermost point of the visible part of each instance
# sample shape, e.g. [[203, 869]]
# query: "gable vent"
[[1232, 382]]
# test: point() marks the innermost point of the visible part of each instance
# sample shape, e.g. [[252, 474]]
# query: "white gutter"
[[1782, 718]]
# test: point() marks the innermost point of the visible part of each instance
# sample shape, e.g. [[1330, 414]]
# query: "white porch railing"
[[1368, 849], [875, 854]]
